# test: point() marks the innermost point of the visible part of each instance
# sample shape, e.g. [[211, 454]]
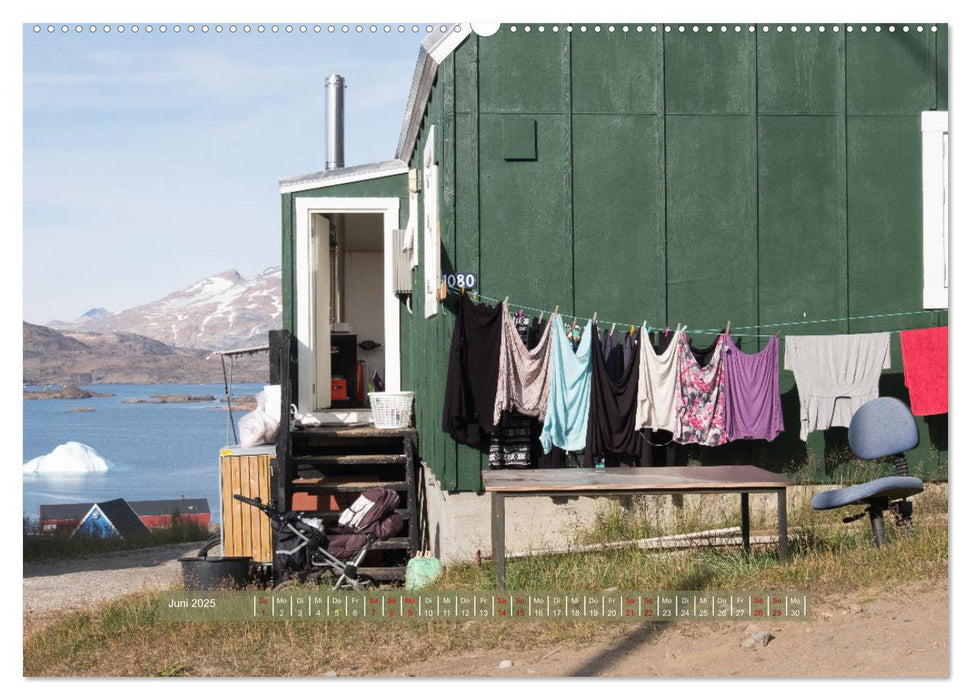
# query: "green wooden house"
[[782, 177]]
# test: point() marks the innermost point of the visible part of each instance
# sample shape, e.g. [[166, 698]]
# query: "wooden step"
[[390, 543], [344, 485], [351, 432], [382, 573], [350, 460]]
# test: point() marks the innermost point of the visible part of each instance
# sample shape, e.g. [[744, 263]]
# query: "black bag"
[[289, 554]]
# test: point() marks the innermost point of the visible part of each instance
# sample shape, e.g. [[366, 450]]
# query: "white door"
[[320, 313]]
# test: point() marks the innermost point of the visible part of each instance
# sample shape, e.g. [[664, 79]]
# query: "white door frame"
[[305, 208]]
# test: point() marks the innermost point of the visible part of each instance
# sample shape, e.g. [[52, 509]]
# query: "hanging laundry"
[[701, 398], [524, 375], [631, 343], [835, 375], [515, 439], [612, 354], [565, 425], [613, 411], [657, 384], [703, 356], [925, 369], [663, 341], [473, 373], [753, 406]]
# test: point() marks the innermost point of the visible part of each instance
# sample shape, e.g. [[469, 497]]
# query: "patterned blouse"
[[701, 399]]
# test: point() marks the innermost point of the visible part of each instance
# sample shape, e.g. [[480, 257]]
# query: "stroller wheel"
[[364, 584], [289, 583]]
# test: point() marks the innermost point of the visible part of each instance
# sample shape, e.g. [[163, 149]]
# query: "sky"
[[151, 160]]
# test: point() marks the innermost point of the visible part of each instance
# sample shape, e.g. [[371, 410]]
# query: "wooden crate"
[[246, 530]]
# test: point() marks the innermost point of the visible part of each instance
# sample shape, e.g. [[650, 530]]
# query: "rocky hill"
[[221, 312], [67, 357]]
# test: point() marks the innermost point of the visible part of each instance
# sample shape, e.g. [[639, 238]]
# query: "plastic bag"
[[257, 428]]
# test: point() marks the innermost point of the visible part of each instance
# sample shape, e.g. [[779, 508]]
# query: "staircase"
[[330, 466], [321, 470]]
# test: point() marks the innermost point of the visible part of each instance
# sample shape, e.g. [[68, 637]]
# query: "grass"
[[126, 638], [38, 548]]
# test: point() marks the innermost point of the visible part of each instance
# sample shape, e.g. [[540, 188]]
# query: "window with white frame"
[[432, 233], [934, 146]]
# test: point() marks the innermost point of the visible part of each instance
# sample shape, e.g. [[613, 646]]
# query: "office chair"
[[883, 427]]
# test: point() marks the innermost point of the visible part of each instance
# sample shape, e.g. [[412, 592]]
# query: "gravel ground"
[[74, 584]]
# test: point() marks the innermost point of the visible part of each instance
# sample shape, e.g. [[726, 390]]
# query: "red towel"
[[925, 369]]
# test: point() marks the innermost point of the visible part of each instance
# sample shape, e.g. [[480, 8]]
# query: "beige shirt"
[[524, 375], [657, 384], [835, 375]]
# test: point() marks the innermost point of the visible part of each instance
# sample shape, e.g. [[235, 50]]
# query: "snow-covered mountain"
[[221, 312]]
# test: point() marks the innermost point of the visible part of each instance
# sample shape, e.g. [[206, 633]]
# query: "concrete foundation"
[[459, 524]]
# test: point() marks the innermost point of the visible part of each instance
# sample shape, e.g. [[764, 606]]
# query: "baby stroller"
[[307, 552]]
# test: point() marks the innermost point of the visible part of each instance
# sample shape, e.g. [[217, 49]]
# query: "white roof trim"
[[340, 176], [434, 50]]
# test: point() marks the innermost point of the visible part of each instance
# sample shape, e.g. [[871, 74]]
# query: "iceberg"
[[71, 457]]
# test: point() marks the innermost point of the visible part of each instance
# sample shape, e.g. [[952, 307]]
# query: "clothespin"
[[541, 313], [594, 316], [506, 300], [728, 328], [556, 310], [613, 326], [463, 290], [649, 330], [631, 331]]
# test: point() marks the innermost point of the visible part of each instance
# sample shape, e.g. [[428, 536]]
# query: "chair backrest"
[[881, 428]]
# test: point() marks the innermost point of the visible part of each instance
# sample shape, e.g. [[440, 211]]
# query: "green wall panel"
[[711, 221], [942, 72], [890, 72], [288, 262], [709, 73], [802, 222], [524, 216], [885, 244], [466, 76], [617, 72], [800, 73], [619, 216], [523, 72]]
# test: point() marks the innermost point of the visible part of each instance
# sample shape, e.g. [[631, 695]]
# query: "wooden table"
[[743, 479]]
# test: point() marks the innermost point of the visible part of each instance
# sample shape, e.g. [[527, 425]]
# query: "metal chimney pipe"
[[335, 122]]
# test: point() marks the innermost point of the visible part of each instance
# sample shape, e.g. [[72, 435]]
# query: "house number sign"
[[457, 280]]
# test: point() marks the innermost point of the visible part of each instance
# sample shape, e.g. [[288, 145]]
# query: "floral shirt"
[[701, 400]]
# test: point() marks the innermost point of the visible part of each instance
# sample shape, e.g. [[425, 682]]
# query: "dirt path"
[[50, 587], [903, 633]]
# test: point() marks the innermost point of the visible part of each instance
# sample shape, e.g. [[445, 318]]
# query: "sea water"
[[158, 451]]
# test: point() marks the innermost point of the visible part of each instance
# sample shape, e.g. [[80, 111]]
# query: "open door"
[[347, 314], [322, 228]]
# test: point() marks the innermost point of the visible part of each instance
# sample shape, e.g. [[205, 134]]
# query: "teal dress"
[[569, 404]]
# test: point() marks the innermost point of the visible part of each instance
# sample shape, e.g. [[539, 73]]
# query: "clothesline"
[[708, 331]]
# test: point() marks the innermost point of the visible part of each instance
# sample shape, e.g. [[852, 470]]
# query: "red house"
[[158, 514]]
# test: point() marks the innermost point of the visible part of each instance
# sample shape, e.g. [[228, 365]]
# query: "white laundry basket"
[[391, 409]]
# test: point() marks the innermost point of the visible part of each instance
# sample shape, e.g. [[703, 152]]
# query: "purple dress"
[[753, 407]]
